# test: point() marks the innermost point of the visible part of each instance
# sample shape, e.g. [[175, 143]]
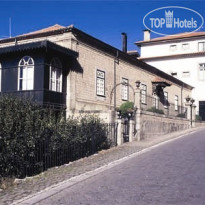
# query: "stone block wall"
[[153, 124]]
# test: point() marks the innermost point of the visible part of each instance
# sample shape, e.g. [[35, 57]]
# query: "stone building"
[[182, 56], [70, 69]]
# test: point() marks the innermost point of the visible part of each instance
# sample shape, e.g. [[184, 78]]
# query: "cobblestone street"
[[58, 174]]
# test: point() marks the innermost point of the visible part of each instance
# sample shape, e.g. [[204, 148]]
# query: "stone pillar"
[[119, 132], [191, 114], [137, 105], [131, 128], [188, 113], [111, 114]]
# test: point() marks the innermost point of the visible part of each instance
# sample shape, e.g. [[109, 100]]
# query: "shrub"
[[198, 118], [182, 115], [155, 110], [33, 138], [125, 108]]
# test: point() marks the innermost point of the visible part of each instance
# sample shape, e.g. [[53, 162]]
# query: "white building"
[[182, 56]]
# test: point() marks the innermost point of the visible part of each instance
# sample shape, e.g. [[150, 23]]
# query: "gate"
[[126, 130], [112, 133]]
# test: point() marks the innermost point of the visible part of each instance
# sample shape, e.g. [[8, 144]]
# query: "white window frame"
[[55, 75], [125, 89], [100, 83], [185, 46], [201, 72], [155, 101], [26, 82], [165, 99], [173, 47], [185, 74], [201, 46], [176, 102], [143, 93]]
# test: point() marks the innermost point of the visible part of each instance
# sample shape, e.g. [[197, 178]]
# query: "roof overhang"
[[46, 45]]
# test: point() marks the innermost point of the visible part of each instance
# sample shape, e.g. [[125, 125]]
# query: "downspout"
[[182, 88]]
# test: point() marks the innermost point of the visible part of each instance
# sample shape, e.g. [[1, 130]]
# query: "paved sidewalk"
[[55, 175]]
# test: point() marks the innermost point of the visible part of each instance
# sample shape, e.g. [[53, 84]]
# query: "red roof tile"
[[173, 37], [161, 80], [44, 30]]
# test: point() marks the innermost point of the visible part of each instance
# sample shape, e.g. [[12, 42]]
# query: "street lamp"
[[191, 101], [137, 84], [119, 114]]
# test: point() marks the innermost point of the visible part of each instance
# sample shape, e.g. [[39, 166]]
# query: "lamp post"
[[191, 102], [137, 83]]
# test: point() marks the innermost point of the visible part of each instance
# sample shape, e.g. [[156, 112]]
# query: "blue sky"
[[104, 20]]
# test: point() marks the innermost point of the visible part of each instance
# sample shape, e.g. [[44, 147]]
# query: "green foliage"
[[182, 115], [33, 138], [198, 118], [155, 110], [125, 108]]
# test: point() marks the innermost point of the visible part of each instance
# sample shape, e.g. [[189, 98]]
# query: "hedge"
[[34, 138]]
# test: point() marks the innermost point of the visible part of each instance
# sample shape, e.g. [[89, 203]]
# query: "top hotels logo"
[[173, 18]]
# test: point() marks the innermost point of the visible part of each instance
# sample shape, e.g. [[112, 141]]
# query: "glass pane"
[[30, 84], [20, 84], [30, 72], [53, 85], [24, 85], [53, 73], [30, 61], [21, 72], [24, 72]]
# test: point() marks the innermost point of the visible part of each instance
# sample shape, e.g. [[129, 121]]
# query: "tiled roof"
[[174, 37], [38, 45], [44, 30], [161, 80], [181, 55]]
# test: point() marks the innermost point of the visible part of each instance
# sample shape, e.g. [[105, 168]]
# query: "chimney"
[[146, 35], [124, 42]]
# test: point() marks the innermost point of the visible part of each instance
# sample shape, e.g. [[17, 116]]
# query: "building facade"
[[181, 56], [67, 68]]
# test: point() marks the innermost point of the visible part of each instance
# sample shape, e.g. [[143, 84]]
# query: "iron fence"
[[111, 133], [163, 106], [47, 152]]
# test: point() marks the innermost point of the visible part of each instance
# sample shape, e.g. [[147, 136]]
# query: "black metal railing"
[[42, 97], [162, 106], [46, 153]]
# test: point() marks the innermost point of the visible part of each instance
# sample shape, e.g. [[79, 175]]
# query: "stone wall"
[[200, 124], [153, 124]]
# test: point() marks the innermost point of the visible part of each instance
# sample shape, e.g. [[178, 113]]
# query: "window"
[[125, 89], [165, 99], [176, 101], [173, 47], [185, 46], [144, 93], [100, 83], [174, 74], [202, 71], [201, 46], [55, 75], [26, 73], [185, 74], [156, 101], [0, 77]]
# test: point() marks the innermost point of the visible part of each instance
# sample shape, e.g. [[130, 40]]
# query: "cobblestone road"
[[171, 174], [59, 174]]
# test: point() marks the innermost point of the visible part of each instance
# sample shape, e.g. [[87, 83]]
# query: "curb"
[[54, 189]]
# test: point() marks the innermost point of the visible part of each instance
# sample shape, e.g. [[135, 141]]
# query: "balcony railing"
[[42, 97], [162, 106]]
